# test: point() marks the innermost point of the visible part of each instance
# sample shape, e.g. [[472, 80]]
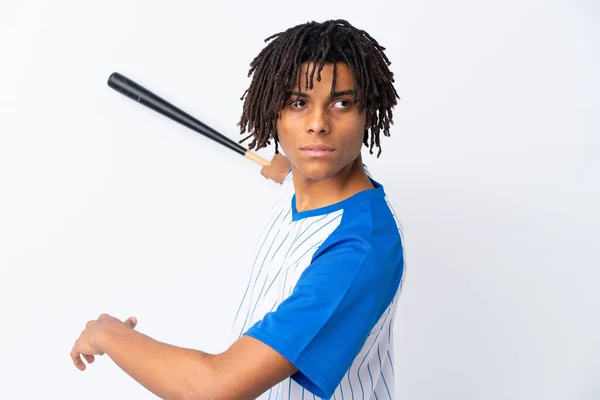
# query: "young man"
[[316, 318]]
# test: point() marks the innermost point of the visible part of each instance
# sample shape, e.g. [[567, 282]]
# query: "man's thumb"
[[132, 322]]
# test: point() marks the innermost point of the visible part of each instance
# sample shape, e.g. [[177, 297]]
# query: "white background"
[[492, 165]]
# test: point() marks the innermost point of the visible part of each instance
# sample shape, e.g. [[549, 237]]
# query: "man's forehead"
[[343, 76]]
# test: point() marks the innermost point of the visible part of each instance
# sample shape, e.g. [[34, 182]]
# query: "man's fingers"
[[76, 357], [264, 172], [89, 358]]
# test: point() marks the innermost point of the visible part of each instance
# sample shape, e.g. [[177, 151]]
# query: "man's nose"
[[318, 122]]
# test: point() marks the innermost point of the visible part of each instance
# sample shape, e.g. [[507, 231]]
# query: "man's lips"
[[317, 150], [317, 147]]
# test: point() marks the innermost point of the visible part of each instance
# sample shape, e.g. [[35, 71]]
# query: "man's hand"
[[87, 344], [278, 170]]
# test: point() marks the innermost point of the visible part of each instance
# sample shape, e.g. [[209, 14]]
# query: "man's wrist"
[[108, 333]]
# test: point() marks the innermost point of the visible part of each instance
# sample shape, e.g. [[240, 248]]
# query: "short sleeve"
[[322, 326]]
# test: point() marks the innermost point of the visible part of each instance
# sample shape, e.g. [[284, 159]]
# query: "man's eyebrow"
[[336, 94], [344, 92]]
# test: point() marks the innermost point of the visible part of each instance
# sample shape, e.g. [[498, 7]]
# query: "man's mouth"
[[318, 151], [317, 147]]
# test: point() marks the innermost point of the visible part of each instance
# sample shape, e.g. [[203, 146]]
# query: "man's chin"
[[316, 174]]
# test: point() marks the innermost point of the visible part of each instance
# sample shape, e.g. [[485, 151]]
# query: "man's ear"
[[368, 120]]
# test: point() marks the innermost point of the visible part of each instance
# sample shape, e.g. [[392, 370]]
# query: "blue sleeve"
[[322, 326]]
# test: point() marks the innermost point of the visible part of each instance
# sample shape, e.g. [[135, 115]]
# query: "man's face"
[[320, 135]]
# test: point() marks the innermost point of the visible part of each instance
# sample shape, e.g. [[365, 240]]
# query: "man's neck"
[[312, 194]]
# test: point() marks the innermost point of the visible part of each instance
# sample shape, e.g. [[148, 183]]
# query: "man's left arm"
[[244, 371]]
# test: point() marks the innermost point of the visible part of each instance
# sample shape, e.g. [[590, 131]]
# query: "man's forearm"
[[169, 372]]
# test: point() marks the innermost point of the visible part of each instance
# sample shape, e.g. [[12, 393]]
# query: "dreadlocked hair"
[[278, 68]]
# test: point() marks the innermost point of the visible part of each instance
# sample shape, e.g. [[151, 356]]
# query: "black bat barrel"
[[142, 95]]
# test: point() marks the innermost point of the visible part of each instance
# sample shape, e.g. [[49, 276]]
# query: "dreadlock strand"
[[334, 80]]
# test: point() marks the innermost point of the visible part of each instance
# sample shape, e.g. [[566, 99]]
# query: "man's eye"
[[343, 104], [298, 103]]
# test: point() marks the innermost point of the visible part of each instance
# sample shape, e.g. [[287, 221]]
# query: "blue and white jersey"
[[323, 291]]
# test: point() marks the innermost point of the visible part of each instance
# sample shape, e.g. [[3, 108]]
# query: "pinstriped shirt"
[[323, 292]]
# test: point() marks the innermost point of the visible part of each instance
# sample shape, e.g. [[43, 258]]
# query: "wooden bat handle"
[[256, 158]]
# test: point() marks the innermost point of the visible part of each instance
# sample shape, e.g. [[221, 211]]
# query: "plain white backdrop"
[[106, 206]]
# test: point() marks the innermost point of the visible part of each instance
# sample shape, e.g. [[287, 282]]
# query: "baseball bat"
[[136, 92]]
